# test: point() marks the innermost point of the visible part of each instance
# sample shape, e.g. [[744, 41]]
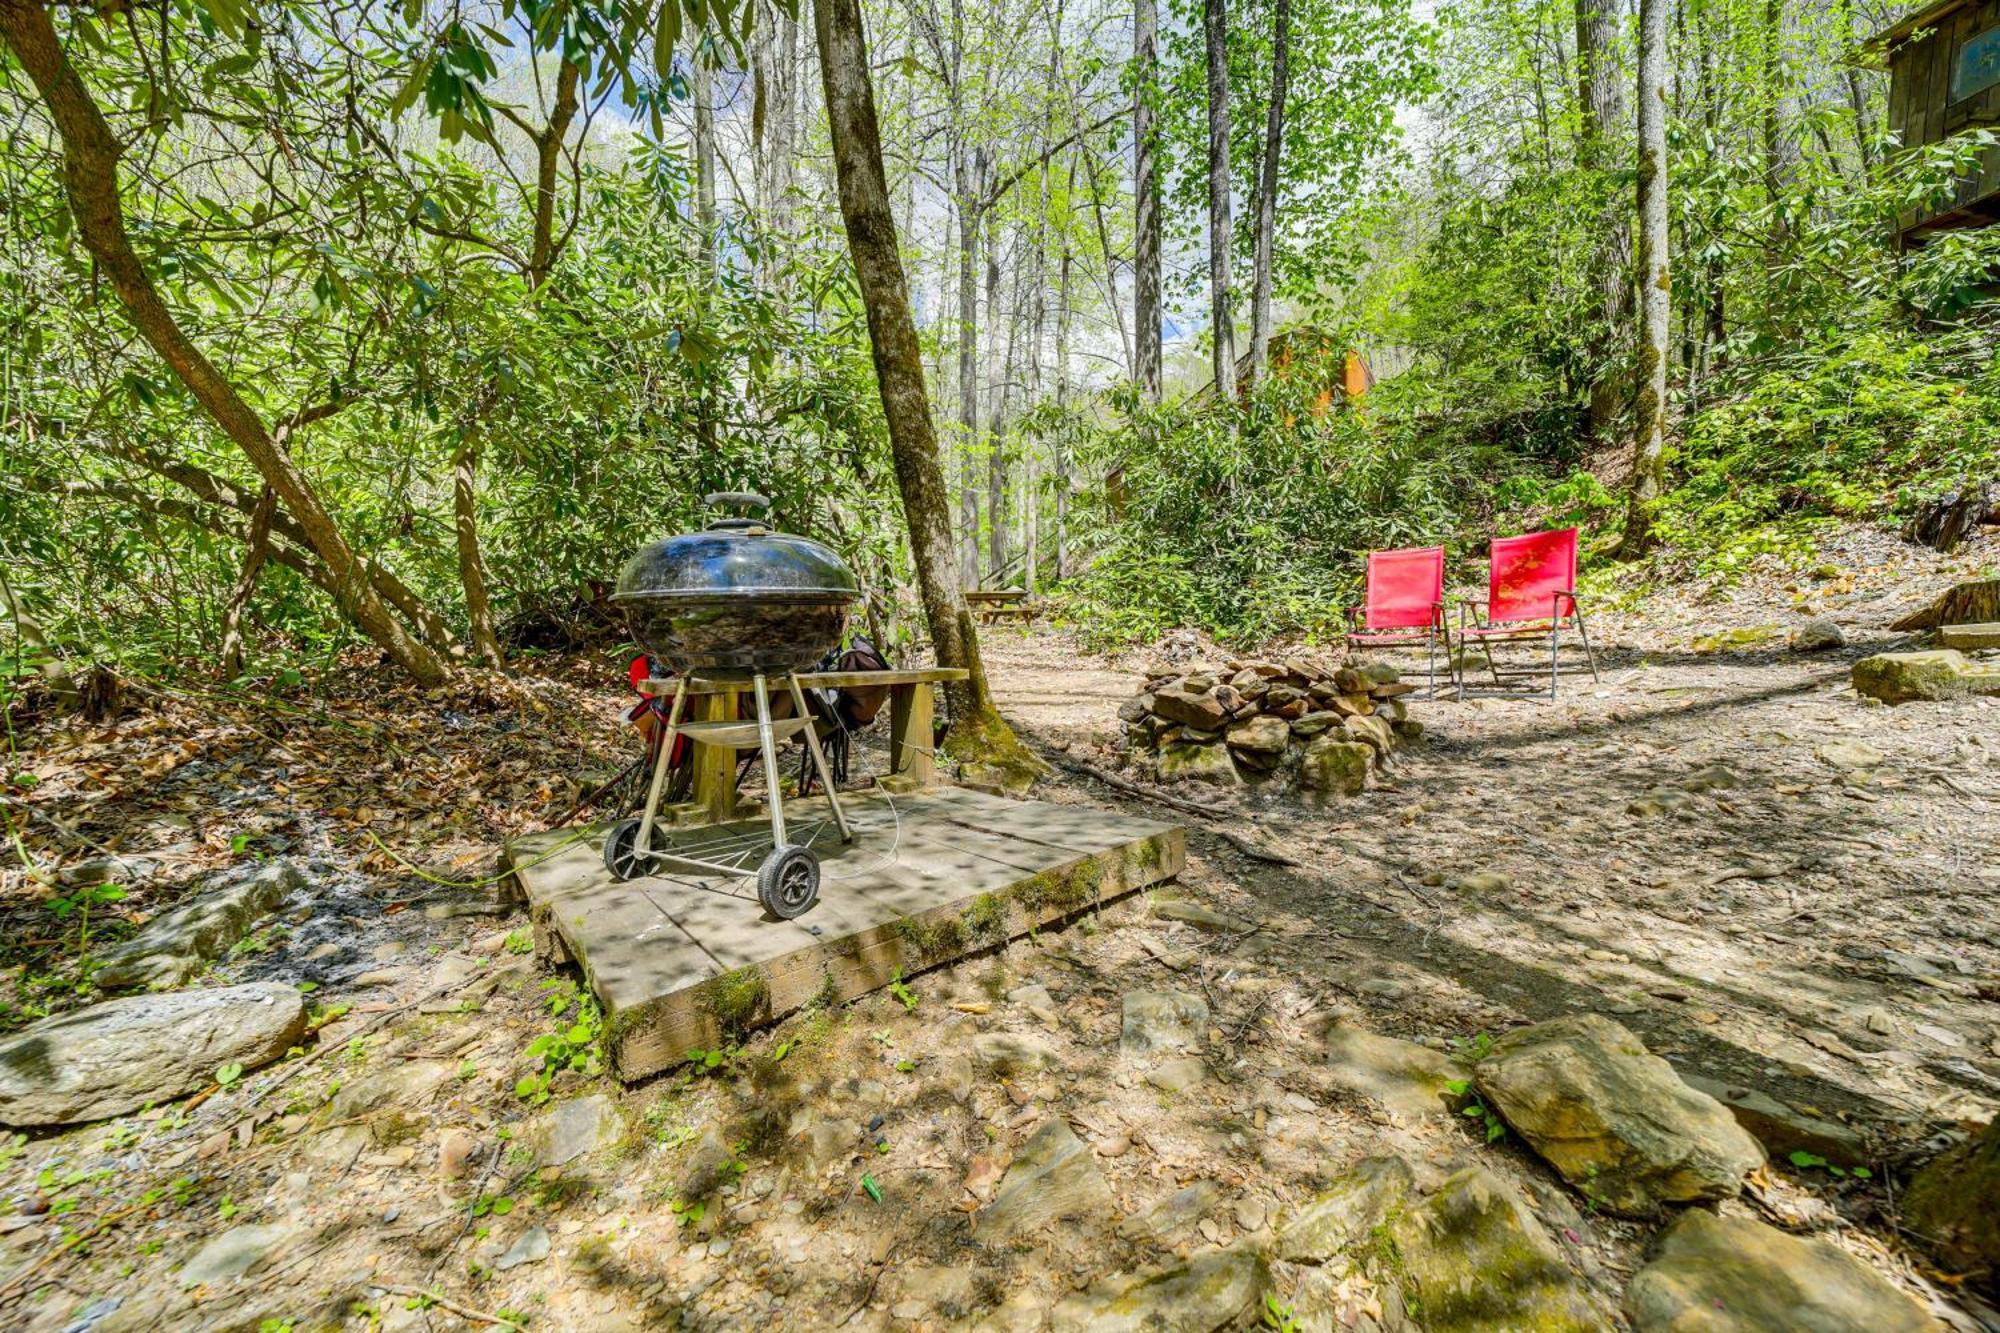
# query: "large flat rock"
[[1614, 1118], [1736, 1275], [177, 944], [1481, 1263], [1054, 1178], [115, 1057], [1935, 675]]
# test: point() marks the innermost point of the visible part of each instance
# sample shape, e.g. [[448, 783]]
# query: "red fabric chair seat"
[[1403, 603], [1530, 594]]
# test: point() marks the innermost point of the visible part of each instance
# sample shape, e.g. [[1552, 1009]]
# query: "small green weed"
[[576, 1045], [1806, 1161], [1279, 1316], [78, 905], [1476, 1108]]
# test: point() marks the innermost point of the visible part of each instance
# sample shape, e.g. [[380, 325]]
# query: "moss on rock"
[[1477, 1261], [1956, 1202], [989, 754]]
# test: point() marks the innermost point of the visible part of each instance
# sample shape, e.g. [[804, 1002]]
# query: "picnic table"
[[991, 605], [912, 765]]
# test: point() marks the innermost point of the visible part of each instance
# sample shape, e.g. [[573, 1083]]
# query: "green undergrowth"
[[1258, 529], [1852, 428]]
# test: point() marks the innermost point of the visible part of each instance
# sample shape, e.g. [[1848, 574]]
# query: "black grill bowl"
[[736, 600]]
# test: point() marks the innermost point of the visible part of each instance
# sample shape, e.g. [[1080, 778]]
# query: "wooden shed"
[[1944, 77]]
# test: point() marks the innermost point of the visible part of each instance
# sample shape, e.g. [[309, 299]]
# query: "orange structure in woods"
[[1315, 361]]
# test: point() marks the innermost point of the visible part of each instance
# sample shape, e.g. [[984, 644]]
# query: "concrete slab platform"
[[681, 960]]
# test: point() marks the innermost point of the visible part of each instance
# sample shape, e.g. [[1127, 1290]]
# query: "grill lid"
[[736, 558]]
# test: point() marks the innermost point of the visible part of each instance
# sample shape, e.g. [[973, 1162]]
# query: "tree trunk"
[[1059, 446], [969, 183], [1267, 192], [781, 127], [1145, 203], [1110, 278], [704, 165], [548, 158], [1649, 457], [1601, 105], [1772, 88], [977, 733], [1972, 603], [1714, 313], [1031, 533], [996, 430], [471, 563], [1222, 325], [255, 553], [90, 179]]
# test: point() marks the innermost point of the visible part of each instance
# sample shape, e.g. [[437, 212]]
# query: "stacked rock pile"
[[1290, 722]]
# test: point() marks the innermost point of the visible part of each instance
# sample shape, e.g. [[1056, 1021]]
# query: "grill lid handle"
[[740, 500]]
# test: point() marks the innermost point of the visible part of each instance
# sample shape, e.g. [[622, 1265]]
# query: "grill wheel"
[[788, 881]]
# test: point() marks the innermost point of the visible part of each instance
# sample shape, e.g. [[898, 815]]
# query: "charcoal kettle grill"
[[737, 601]]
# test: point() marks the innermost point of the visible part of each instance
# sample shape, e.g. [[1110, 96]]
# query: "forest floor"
[[1777, 885]]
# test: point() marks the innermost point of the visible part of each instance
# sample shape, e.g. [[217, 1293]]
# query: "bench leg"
[[910, 713], [715, 765]]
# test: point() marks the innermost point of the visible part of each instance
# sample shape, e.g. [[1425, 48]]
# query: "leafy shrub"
[[1859, 426], [1257, 527]]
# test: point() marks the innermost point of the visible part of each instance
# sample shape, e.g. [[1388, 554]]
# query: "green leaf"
[[666, 36], [874, 1190], [413, 87]]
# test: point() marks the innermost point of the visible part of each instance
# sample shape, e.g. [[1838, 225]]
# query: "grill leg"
[[643, 843], [772, 778], [819, 757]]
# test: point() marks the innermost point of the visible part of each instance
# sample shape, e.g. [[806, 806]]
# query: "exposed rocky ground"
[[1639, 1009]]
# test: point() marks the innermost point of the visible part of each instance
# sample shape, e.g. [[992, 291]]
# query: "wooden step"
[[1970, 638], [739, 735]]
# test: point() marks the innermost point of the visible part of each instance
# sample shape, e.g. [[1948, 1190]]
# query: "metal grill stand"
[[788, 878]]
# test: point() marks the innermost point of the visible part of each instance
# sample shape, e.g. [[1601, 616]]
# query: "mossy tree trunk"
[[978, 734], [1649, 455]]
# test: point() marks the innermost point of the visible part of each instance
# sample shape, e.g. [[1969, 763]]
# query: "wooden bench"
[[992, 605], [912, 765]]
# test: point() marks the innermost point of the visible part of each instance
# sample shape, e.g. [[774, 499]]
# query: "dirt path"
[[1810, 915], [1783, 888]]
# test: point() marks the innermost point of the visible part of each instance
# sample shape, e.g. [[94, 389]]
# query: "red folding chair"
[[1404, 604], [1530, 594]]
